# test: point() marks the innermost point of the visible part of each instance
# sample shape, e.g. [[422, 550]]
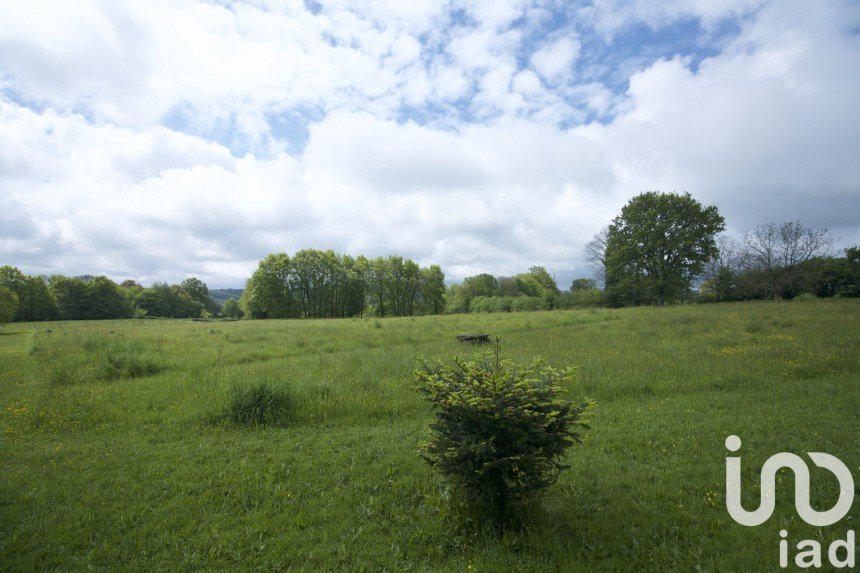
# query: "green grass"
[[115, 451]]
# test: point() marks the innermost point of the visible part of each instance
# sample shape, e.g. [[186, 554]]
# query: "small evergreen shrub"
[[500, 430], [260, 404]]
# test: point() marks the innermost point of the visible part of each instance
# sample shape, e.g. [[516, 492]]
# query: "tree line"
[[26, 298], [663, 248], [780, 262], [532, 290], [668, 248], [310, 284], [324, 284]]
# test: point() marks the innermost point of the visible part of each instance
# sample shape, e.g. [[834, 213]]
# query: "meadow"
[[114, 453]]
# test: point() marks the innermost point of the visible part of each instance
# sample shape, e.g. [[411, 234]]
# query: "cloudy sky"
[[157, 140]]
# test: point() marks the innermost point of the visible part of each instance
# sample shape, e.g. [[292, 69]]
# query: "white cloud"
[[764, 131], [554, 61], [92, 180], [611, 17]]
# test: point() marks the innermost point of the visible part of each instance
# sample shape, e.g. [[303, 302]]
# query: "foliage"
[[779, 252], [267, 293], [456, 300], [35, 301], [91, 298], [527, 304], [199, 293], [323, 284], [491, 304], [583, 284], [231, 309], [542, 279], [582, 298], [486, 293], [513, 303], [260, 404], [500, 431], [432, 293], [721, 286], [806, 296], [536, 283], [168, 301], [508, 286], [483, 284], [8, 305], [655, 247], [820, 276]]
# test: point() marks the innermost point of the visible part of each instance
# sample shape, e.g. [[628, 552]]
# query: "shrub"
[[591, 298], [500, 430], [501, 304], [260, 404], [526, 303], [481, 304]]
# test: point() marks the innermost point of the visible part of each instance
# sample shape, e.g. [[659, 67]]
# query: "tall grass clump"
[[127, 360], [500, 430], [260, 404]]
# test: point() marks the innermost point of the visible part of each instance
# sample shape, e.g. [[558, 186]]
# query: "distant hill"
[[221, 295]]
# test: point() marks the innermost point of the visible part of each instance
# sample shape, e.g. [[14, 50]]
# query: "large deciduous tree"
[[267, 293], [720, 275], [779, 252], [655, 247], [595, 253], [199, 293], [432, 290]]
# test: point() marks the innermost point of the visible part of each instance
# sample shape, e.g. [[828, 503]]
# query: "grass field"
[[112, 453]]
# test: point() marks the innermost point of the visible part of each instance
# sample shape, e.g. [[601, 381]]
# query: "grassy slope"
[[97, 469]]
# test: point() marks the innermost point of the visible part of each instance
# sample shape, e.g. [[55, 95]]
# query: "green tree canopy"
[[314, 283], [231, 309], [8, 305], [35, 301], [169, 301], [778, 252], [432, 290], [655, 247], [583, 284], [199, 293], [89, 298]]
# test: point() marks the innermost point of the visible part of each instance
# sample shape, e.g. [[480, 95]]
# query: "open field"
[[110, 452]]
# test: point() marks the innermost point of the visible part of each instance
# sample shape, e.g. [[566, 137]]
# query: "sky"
[[157, 140]]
